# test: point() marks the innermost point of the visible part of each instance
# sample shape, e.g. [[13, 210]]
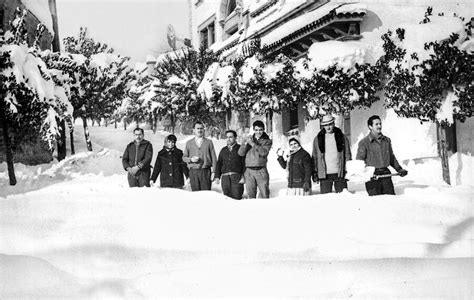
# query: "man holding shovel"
[[376, 151]]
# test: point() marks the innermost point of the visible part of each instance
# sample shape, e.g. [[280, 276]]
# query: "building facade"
[[31, 150], [292, 26]]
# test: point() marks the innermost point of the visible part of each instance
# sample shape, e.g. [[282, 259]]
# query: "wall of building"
[[464, 135], [202, 11], [9, 7]]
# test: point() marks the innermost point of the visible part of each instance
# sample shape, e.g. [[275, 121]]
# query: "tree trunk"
[[228, 118], [269, 121], [86, 134], [8, 150], [71, 138], [443, 151], [106, 122], [172, 123], [124, 124], [115, 123], [155, 121], [61, 142]]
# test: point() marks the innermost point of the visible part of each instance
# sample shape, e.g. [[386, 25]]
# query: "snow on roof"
[[297, 23], [352, 8], [40, 8], [282, 9], [220, 45], [345, 54]]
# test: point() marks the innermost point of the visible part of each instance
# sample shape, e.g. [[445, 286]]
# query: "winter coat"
[[377, 153], [206, 154], [171, 166], [256, 155], [230, 161], [138, 155], [300, 168], [319, 150]]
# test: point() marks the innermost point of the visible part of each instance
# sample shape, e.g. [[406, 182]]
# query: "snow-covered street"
[[75, 230]]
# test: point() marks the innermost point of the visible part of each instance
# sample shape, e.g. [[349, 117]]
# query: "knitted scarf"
[[339, 140]]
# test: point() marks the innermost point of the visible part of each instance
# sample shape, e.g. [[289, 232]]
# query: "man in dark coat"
[[299, 167], [136, 160], [376, 151], [169, 163], [331, 150], [230, 168]]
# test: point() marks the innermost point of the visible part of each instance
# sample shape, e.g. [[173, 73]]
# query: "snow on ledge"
[[352, 8]]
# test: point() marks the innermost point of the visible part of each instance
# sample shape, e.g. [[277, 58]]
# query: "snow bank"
[[82, 233]]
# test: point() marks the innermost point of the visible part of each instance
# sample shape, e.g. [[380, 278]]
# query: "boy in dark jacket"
[[230, 167], [299, 167], [255, 150], [170, 164], [136, 160]]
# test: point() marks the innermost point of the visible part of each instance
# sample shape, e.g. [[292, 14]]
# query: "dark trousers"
[[257, 178], [330, 180], [382, 186], [140, 179], [231, 186], [200, 179]]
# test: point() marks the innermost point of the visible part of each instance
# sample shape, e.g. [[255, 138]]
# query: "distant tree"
[[101, 79]]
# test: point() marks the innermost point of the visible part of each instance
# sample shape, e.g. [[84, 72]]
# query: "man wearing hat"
[[331, 150]]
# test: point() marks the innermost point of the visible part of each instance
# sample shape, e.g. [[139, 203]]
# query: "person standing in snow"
[[376, 150], [299, 167], [136, 160], [331, 150], [200, 156], [230, 167], [256, 150], [169, 163]]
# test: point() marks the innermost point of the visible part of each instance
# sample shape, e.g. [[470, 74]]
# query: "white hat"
[[327, 119]]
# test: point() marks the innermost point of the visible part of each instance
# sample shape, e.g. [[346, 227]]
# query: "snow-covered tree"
[[178, 77], [31, 97], [431, 79], [100, 79]]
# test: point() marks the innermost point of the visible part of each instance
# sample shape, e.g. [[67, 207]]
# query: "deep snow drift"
[[75, 230]]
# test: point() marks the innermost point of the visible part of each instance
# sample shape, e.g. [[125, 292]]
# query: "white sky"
[[133, 28]]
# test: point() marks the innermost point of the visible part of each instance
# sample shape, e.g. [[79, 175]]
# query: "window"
[[231, 5], [207, 32]]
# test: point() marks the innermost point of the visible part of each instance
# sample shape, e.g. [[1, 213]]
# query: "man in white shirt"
[[201, 158], [331, 150]]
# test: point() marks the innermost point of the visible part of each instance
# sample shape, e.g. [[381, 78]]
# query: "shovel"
[[377, 177]]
